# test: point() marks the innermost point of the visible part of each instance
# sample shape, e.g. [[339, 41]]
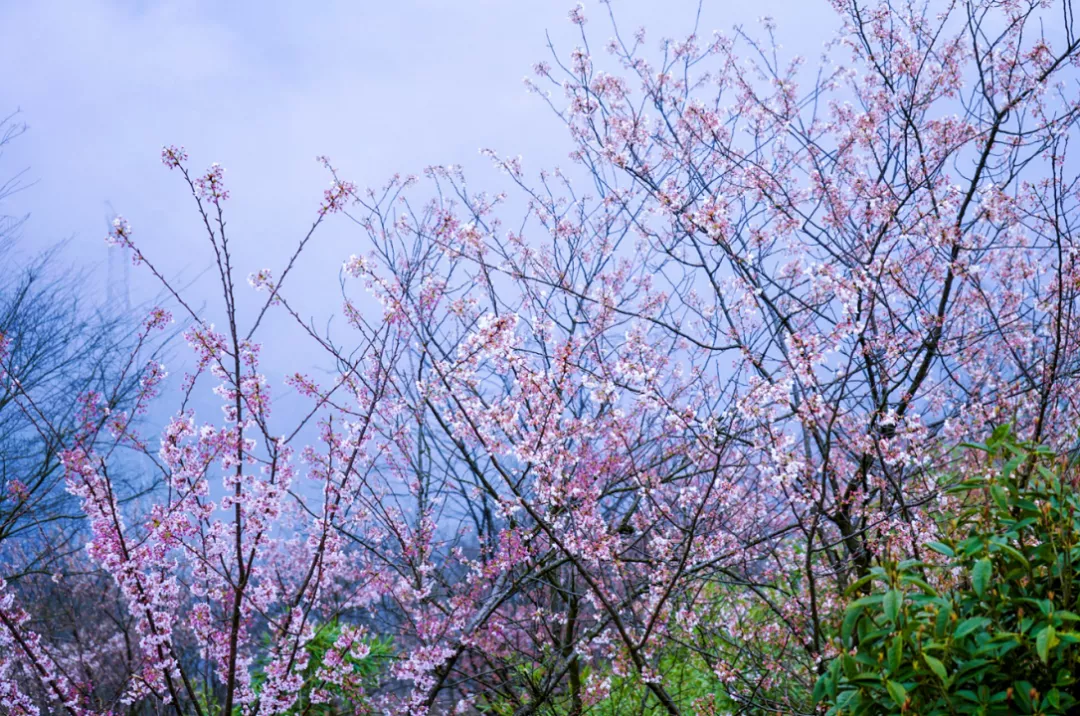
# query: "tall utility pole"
[[118, 278]]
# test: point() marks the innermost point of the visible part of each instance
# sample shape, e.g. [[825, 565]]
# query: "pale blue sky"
[[264, 87]]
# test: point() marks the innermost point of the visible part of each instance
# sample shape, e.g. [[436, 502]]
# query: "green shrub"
[[999, 634], [342, 701]]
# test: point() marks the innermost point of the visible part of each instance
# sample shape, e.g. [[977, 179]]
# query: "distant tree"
[[10, 129], [55, 349]]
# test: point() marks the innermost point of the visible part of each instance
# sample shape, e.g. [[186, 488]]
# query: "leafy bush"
[[998, 634], [317, 696]]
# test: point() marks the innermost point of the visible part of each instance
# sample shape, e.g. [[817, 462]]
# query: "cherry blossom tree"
[[633, 444]]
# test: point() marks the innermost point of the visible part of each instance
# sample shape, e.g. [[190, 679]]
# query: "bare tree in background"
[[57, 348]]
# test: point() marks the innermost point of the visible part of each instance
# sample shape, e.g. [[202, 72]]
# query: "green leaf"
[[1028, 506], [1044, 642], [969, 625], [819, 688], [980, 576], [848, 626], [896, 653], [970, 668], [969, 695], [859, 584], [865, 681], [1012, 464], [892, 601], [1001, 432], [941, 548], [920, 583], [942, 621], [1022, 692], [865, 601], [897, 691], [1000, 498], [1068, 637], [971, 546], [937, 667], [1016, 450], [1015, 554]]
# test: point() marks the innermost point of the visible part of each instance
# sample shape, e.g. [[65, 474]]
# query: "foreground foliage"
[[999, 633]]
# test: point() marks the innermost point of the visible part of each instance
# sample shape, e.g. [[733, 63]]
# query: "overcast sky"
[[263, 87]]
